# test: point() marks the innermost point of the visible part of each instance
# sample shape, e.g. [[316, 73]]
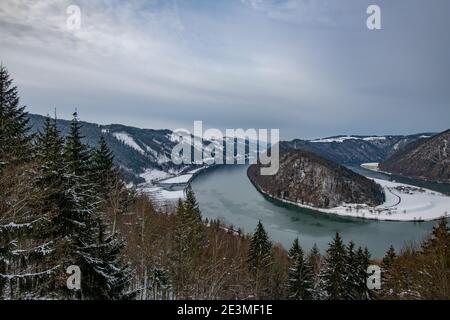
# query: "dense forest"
[[65, 204]]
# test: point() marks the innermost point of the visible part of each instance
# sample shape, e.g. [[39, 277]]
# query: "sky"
[[310, 68]]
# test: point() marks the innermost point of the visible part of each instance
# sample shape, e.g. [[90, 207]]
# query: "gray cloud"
[[310, 68]]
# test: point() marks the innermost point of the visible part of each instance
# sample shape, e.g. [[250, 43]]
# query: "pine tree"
[[260, 260], [106, 276], [14, 131], [182, 260], [352, 274], [197, 238], [315, 260], [96, 252], [27, 264], [51, 169], [435, 263], [190, 242], [301, 276], [78, 155], [103, 169], [363, 258], [389, 258], [333, 273], [439, 242], [110, 187]]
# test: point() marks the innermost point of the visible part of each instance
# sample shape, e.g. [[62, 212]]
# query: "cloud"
[[310, 68], [307, 13]]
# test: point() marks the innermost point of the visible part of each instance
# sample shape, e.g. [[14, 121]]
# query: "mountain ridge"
[[423, 160]]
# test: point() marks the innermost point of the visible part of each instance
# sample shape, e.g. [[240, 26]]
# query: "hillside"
[[135, 149], [428, 159], [355, 149], [308, 179]]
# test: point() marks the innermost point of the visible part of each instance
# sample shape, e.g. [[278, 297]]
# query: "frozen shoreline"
[[403, 203], [164, 187]]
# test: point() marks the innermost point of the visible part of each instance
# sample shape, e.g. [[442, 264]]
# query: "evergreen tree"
[[26, 249], [301, 276], [92, 249], [333, 273], [260, 260], [51, 169], [106, 276], [315, 260], [389, 258], [182, 259], [78, 217], [439, 242], [190, 242], [353, 282], [110, 187], [435, 263], [363, 258], [197, 237], [103, 170], [14, 132]]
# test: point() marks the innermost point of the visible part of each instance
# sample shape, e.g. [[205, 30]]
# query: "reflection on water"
[[226, 193]]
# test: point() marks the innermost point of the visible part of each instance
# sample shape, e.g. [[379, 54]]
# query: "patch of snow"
[[156, 141], [374, 138], [150, 150], [181, 179], [196, 170], [162, 158], [161, 195], [371, 166], [128, 140], [344, 138], [338, 139], [179, 135], [403, 203], [152, 175]]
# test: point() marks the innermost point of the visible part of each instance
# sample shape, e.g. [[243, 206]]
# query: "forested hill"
[[355, 149], [138, 149], [134, 149], [309, 179], [429, 159]]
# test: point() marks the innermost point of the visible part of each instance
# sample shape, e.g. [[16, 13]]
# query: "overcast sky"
[[308, 67]]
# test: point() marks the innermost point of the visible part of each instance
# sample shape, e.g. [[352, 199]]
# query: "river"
[[226, 193]]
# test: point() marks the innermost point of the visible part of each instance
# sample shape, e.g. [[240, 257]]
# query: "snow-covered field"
[[157, 183], [403, 203], [181, 179], [161, 195], [154, 175]]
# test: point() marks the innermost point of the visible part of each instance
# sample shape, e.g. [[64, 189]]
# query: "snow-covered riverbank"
[[165, 187], [403, 203]]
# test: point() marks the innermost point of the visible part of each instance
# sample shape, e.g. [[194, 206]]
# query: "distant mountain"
[[135, 149], [308, 179], [427, 159], [355, 149]]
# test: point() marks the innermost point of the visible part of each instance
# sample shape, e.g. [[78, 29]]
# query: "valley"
[[225, 192]]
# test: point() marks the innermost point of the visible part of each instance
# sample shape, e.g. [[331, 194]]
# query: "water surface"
[[226, 193]]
